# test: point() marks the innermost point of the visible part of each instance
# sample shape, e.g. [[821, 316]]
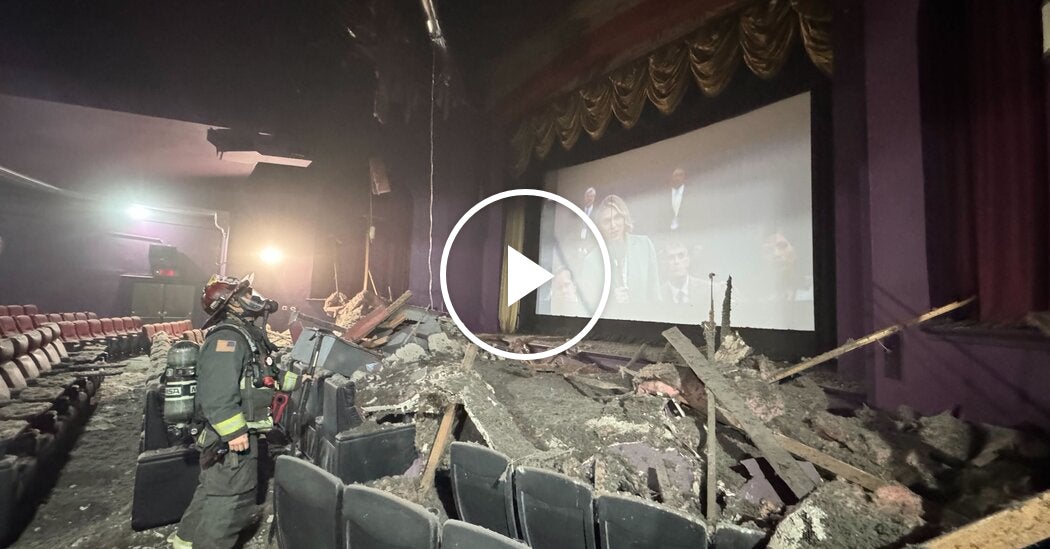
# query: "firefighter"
[[234, 389]]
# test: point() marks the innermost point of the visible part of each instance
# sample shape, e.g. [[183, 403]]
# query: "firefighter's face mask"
[[255, 304]]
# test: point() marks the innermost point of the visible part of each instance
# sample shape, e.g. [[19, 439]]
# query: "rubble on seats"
[[639, 430]]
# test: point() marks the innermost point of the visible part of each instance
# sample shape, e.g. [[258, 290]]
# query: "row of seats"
[[26, 356], [550, 510], [120, 335], [176, 329], [30, 310], [314, 509]]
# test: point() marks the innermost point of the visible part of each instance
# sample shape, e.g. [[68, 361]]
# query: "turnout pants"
[[224, 504]]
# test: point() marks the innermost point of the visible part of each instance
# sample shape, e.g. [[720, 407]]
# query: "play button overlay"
[[524, 275]]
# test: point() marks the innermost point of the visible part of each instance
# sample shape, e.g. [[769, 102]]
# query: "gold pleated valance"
[[760, 33]]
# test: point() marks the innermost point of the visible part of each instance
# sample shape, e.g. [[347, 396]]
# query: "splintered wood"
[[763, 437], [870, 338], [1020, 526], [369, 322]]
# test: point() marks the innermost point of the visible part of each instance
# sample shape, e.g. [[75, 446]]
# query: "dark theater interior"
[[498, 274]]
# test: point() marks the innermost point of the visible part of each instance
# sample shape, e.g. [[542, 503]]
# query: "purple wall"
[[881, 238]]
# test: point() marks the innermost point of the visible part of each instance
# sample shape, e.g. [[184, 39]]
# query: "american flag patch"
[[225, 346]]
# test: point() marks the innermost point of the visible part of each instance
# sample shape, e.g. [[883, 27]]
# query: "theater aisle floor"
[[90, 505]]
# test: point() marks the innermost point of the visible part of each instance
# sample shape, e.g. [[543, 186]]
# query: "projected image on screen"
[[732, 198]]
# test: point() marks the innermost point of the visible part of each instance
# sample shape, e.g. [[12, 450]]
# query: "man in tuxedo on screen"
[[679, 287], [674, 209]]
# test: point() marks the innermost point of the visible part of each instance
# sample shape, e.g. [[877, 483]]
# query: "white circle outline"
[[590, 226]]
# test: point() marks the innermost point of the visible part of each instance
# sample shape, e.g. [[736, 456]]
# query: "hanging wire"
[[430, 247]]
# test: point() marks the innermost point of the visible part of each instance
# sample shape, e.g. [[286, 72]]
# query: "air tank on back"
[[180, 382]]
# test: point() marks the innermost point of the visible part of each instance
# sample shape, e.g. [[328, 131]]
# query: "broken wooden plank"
[[636, 356], [712, 453], [469, 355], [394, 321], [841, 469], [369, 322], [762, 437], [1022, 525], [441, 441], [870, 338]]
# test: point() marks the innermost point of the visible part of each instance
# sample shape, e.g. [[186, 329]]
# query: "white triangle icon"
[[523, 276]]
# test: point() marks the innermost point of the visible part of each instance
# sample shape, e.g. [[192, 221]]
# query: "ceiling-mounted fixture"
[[254, 147]]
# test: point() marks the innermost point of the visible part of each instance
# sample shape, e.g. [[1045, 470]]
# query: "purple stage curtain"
[[985, 120]]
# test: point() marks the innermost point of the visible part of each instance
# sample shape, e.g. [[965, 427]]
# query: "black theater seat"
[[554, 511], [457, 534], [370, 456], [375, 519], [307, 503], [625, 522], [481, 487]]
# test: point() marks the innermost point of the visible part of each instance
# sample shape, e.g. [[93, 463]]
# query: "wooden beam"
[[369, 322], [441, 441], [841, 469], [469, 355], [1020, 526], [712, 454], [761, 436], [870, 338]]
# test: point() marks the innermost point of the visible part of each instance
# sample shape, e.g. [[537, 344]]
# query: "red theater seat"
[[137, 321], [96, 328], [166, 327], [25, 323], [15, 310], [70, 317], [118, 326], [80, 316], [69, 332], [31, 309], [8, 327], [3, 310], [92, 316], [84, 331], [55, 317], [150, 330], [39, 320], [107, 327]]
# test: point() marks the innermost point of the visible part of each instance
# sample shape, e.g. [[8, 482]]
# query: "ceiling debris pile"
[[794, 464]]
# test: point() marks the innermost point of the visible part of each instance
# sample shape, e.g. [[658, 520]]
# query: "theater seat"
[[625, 522], [92, 316], [150, 330], [69, 332], [554, 511], [374, 519], [3, 311], [40, 320], [21, 343], [55, 317], [7, 350], [8, 327], [307, 500], [84, 332], [108, 329], [137, 320], [12, 376], [27, 366], [15, 310], [36, 339], [481, 487], [457, 534], [25, 323], [70, 317], [118, 326], [81, 316], [31, 309]]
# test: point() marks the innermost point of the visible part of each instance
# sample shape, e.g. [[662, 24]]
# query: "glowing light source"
[[137, 211], [271, 255]]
